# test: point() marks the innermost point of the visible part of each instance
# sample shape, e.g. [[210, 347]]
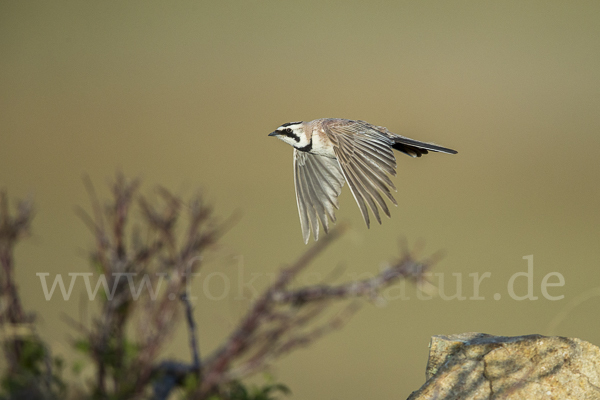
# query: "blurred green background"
[[184, 94]]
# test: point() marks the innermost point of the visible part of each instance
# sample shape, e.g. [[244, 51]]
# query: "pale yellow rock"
[[476, 366]]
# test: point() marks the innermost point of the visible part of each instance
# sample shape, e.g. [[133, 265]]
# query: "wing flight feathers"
[[318, 181]]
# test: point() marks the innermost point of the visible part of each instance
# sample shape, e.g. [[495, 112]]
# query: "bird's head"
[[292, 133]]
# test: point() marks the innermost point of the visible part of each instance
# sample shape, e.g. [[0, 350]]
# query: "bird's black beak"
[[274, 133]]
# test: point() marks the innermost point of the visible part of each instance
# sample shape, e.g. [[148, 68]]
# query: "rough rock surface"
[[472, 366]]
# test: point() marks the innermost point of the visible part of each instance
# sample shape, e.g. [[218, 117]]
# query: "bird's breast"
[[321, 145]]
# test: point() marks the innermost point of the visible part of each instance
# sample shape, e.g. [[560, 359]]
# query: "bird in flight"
[[331, 151]]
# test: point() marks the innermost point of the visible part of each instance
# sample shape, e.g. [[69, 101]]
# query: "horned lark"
[[329, 151]]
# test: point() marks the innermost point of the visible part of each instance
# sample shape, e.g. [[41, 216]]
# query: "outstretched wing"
[[366, 158], [318, 182]]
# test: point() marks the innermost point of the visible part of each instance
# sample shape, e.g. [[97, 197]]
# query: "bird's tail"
[[414, 148]]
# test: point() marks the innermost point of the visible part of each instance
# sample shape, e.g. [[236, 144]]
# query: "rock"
[[474, 366]]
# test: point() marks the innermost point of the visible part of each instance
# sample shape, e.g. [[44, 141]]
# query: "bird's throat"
[[306, 148]]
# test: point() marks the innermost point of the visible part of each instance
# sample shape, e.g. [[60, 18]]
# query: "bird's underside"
[[364, 158]]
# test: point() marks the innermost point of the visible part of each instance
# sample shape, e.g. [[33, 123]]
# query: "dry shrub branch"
[[139, 242]]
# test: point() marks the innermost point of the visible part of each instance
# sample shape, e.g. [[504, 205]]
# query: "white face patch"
[[287, 140]]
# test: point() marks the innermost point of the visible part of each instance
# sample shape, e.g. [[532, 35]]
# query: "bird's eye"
[[289, 131]]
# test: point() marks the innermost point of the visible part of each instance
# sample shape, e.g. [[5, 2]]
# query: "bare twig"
[[192, 332], [406, 267]]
